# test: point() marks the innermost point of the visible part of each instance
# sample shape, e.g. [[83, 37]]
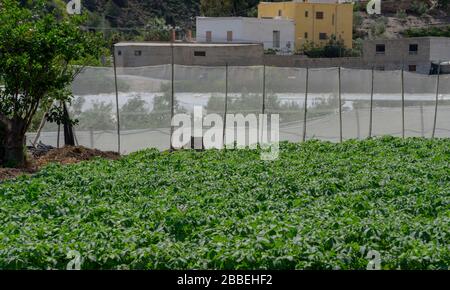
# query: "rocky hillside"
[[400, 15]]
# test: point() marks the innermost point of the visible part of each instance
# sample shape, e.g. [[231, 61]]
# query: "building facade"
[[276, 34], [414, 54], [315, 21], [136, 54]]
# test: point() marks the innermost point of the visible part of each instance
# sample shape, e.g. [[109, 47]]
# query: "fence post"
[[264, 90], [226, 106], [91, 137], [403, 101], [422, 125], [340, 107], [371, 103], [117, 99], [306, 104], [172, 94], [263, 105], [358, 126], [437, 100]]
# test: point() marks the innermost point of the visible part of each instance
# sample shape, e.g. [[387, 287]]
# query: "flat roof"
[[250, 19], [184, 44]]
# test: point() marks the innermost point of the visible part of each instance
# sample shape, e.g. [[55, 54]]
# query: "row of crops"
[[319, 206]]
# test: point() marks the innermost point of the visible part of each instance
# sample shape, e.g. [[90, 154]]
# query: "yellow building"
[[314, 22]]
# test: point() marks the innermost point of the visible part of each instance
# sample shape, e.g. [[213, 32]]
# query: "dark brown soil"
[[65, 155]]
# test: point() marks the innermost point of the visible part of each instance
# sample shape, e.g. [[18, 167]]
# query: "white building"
[[277, 34]]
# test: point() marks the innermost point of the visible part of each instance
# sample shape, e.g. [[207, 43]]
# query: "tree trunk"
[[69, 139], [12, 142]]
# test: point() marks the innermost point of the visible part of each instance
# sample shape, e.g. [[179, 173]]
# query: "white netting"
[[285, 95], [443, 112], [144, 106], [201, 87], [94, 105], [323, 105], [356, 86], [245, 95], [145, 100], [420, 101], [387, 104]]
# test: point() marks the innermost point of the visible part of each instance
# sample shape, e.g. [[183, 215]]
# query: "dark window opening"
[[137, 52], [280, 13], [119, 52], [323, 36], [229, 35], [199, 53], [412, 67], [306, 35], [319, 15], [276, 39], [306, 14], [380, 49], [413, 48]]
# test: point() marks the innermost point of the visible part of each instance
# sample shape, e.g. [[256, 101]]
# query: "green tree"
[[36, 53]]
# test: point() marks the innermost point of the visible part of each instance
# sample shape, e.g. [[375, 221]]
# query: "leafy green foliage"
[[431, 31], [333, 48], [319, 206]]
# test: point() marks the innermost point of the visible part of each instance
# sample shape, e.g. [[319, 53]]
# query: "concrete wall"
[[397, 54], [303, 61], [337, 20], [252, 30], [184, 54], [440, 49]]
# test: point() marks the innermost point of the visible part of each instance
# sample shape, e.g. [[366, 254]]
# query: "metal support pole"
[[422, 125], [264, 90], [437, 100], [403, 102], [117, 100], [172, 96], [340, 107], [358, 126], [306, 104], [263, 103], [226, 106], [371, 103]]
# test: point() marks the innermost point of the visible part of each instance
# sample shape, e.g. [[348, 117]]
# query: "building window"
[[413, 49], [323, 36], [380, 49], [208, 36], [319, 15], [379, 67], [230, 36], [332, 20], [276, 39], [280, 13], [119, 52], [137, 53], [306, 14], [306, 35], [199, 53], [412, 67]]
